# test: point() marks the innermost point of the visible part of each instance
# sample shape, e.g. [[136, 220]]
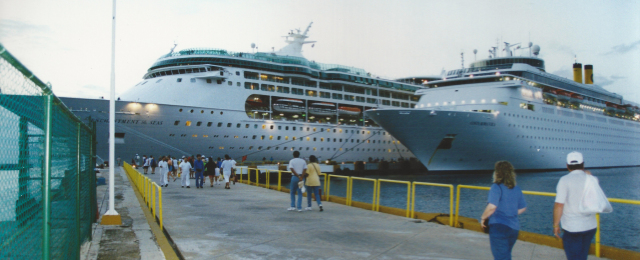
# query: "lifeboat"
[[256, 103], [288, 105], [550, 96], [563, 95], [322, 109], [349, 111]]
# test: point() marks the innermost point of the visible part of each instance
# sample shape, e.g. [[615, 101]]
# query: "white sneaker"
[[307, 208], [291, 209], [300, 210]]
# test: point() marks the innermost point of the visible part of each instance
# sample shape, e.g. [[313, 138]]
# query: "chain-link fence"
[[47, 181]]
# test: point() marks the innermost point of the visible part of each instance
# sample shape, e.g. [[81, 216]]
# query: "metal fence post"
[[79, 237], [46, 178]]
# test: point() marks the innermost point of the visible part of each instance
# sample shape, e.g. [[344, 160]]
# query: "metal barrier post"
[[598, 235], [380, 181], [160, 207], [241, 175], [375, 186], [78, 190], [268, 184], [46, 179], [347, 201], [153, 207], [279, 180], [413, 198], [257, 178]]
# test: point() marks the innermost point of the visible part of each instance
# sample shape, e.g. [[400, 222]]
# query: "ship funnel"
[[588, 74], [577, 72]]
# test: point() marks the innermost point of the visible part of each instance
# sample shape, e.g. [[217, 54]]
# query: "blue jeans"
[[315, 190], [293, 188], [199, 179], [502, 239], [576, 244]]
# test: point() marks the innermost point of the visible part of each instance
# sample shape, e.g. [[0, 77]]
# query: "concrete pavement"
[[249, 222]]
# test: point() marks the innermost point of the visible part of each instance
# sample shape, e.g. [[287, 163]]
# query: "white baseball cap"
[[574, 158]]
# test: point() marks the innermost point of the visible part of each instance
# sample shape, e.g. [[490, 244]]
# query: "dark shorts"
[[146, 167]]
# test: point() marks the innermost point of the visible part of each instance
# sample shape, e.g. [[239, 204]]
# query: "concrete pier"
[[248, 222]]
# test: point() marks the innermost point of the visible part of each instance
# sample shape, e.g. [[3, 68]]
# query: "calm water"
[[619, 229]]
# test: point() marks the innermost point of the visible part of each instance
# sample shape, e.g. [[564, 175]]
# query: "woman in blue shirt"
[[505, 203]]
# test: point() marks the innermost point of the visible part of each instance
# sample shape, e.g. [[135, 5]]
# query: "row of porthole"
[[238, 125], [286, 138], [569, 131], [581, 149], [314, 149], [201, 111], [566, 122]]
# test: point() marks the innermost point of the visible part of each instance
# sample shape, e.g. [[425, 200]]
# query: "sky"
[[68, 42]]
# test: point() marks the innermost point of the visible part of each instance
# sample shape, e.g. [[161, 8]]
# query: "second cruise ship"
[[510, 108]]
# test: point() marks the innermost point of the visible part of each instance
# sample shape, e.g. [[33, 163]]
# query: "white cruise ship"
[[509, 108], [258, 105]]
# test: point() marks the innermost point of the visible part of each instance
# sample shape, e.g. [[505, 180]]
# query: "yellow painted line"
[[162, 240]]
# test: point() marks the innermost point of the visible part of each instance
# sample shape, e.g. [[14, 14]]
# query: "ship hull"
[[465, 141], [160, 129]]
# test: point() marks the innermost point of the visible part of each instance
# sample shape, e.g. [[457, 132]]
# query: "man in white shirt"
[[579, 228], [298, 168], [145, 164], [164, 170], [185, 167]]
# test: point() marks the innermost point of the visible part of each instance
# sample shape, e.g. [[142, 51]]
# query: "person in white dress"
[[226, 167], [145, 164], [185, 167], [164, 170]]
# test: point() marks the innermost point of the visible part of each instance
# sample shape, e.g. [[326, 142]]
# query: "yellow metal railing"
[[380, 181], [413, 198], [348, 196], [147, 189], [375, 186]]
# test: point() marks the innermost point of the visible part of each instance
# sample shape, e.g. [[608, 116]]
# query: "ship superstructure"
[[510, 108], [254, 104]]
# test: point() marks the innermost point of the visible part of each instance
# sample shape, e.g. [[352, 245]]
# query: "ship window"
[[221, 147], [238, 84], [237, 73], [212, 112], [199, 123], [279, 127], [262, 137], [193, 80], [294, 138], [254, 137], [308, 138], [286, 128], [279, 137], [264, 126], [255, 126], [219, 81], [179, 80], [219, 124], [294, 128], [246, 126], [230, 83], [250, 147], [259, 148], [180, 110], [188, 123], [228, 124], [271, 127], [286, 138], [194, 135], [191, 111], [177, 122], [271, 137], [238, 125], [209, 81], [209, 124]]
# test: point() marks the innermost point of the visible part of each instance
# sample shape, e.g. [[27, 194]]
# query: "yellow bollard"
[[154, 201], [279, 180], [160, 206], [598, 236]]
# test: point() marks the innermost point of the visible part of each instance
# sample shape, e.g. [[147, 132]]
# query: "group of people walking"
[[192, 167], [506, 201]]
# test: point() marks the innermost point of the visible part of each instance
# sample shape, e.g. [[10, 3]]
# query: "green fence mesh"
[[47, 182]]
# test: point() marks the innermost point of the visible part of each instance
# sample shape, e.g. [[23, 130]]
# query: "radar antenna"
[[174, 47]]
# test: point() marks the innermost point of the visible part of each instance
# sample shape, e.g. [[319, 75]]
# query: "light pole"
[[111, 217]]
